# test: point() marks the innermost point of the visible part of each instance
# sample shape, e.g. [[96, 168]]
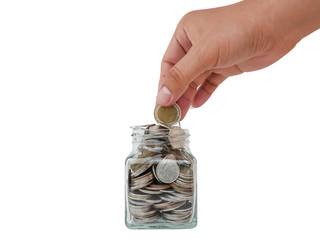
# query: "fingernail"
[[164, 96]]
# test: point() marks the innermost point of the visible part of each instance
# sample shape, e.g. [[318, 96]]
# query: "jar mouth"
[[159, 134]]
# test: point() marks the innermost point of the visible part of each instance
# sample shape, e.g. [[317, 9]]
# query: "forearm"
[[291, 19]]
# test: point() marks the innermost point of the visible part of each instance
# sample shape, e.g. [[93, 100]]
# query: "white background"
[[75, 75]]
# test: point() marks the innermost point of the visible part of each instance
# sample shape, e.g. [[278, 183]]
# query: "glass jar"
[[161, 186]]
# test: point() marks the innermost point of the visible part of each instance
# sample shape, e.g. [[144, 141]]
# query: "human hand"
[[211, 45]]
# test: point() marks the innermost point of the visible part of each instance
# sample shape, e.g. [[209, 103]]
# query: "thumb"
[[179, 77]]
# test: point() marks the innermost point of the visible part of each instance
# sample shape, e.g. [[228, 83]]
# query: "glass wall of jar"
[[161, 186]]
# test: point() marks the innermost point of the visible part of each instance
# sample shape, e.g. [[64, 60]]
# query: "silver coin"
[[170, 198], [168, 206], [144, 184], [158, 187], [177, 218], [177, 137], [153, 149], [140, 208], [142, 126], [152, 201], [148, 191], [151, 219], [185, 184], [140, 165], [183, 196], [137, 203], [182, 188], [138, 196], [185, 208], [155, 173], [168, 190], [146, 177], [167, 170], [143, 213], [156, 129], [142, 181], [176, 198]]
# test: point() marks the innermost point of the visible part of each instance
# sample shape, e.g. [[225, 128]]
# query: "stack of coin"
[[161, 179]]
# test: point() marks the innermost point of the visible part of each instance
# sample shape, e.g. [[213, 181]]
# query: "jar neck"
[[163, 137]]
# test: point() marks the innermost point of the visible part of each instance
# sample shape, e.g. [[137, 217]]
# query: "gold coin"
[[167, 116]]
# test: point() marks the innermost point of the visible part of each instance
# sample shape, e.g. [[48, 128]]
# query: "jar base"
[[163, 225]]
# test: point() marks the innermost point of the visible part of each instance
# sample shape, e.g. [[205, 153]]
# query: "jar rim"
[[145, 129], [159, 134]]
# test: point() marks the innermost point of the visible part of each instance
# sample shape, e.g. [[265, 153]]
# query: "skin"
[[210, 45]]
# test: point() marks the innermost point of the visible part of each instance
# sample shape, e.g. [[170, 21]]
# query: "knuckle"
[[176, 75], [212, 84], [188, 18], [193, 86], [209, 88]]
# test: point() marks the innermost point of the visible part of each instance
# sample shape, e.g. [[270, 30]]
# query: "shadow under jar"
[[161, 187]]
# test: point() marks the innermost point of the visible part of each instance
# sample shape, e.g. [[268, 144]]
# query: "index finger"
[[177, 49]]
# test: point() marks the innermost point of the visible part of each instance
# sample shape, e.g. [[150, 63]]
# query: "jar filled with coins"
[[161, 175]]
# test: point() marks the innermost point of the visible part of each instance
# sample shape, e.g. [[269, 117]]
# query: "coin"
[[158, 187], [139, 166], [142, 181], [138, 196], [168, 206], [142, 126], [152, 148], [168, 170], [151, 219], [181, 214], [148, 191], [176, 137], [184, 208], [156, 129], [167, 116], [143, 212], [176, 197]]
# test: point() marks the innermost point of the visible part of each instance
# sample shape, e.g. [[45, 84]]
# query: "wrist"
[[289, 19]]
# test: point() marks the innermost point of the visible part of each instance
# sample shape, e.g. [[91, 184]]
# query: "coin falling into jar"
[[167, 116]]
